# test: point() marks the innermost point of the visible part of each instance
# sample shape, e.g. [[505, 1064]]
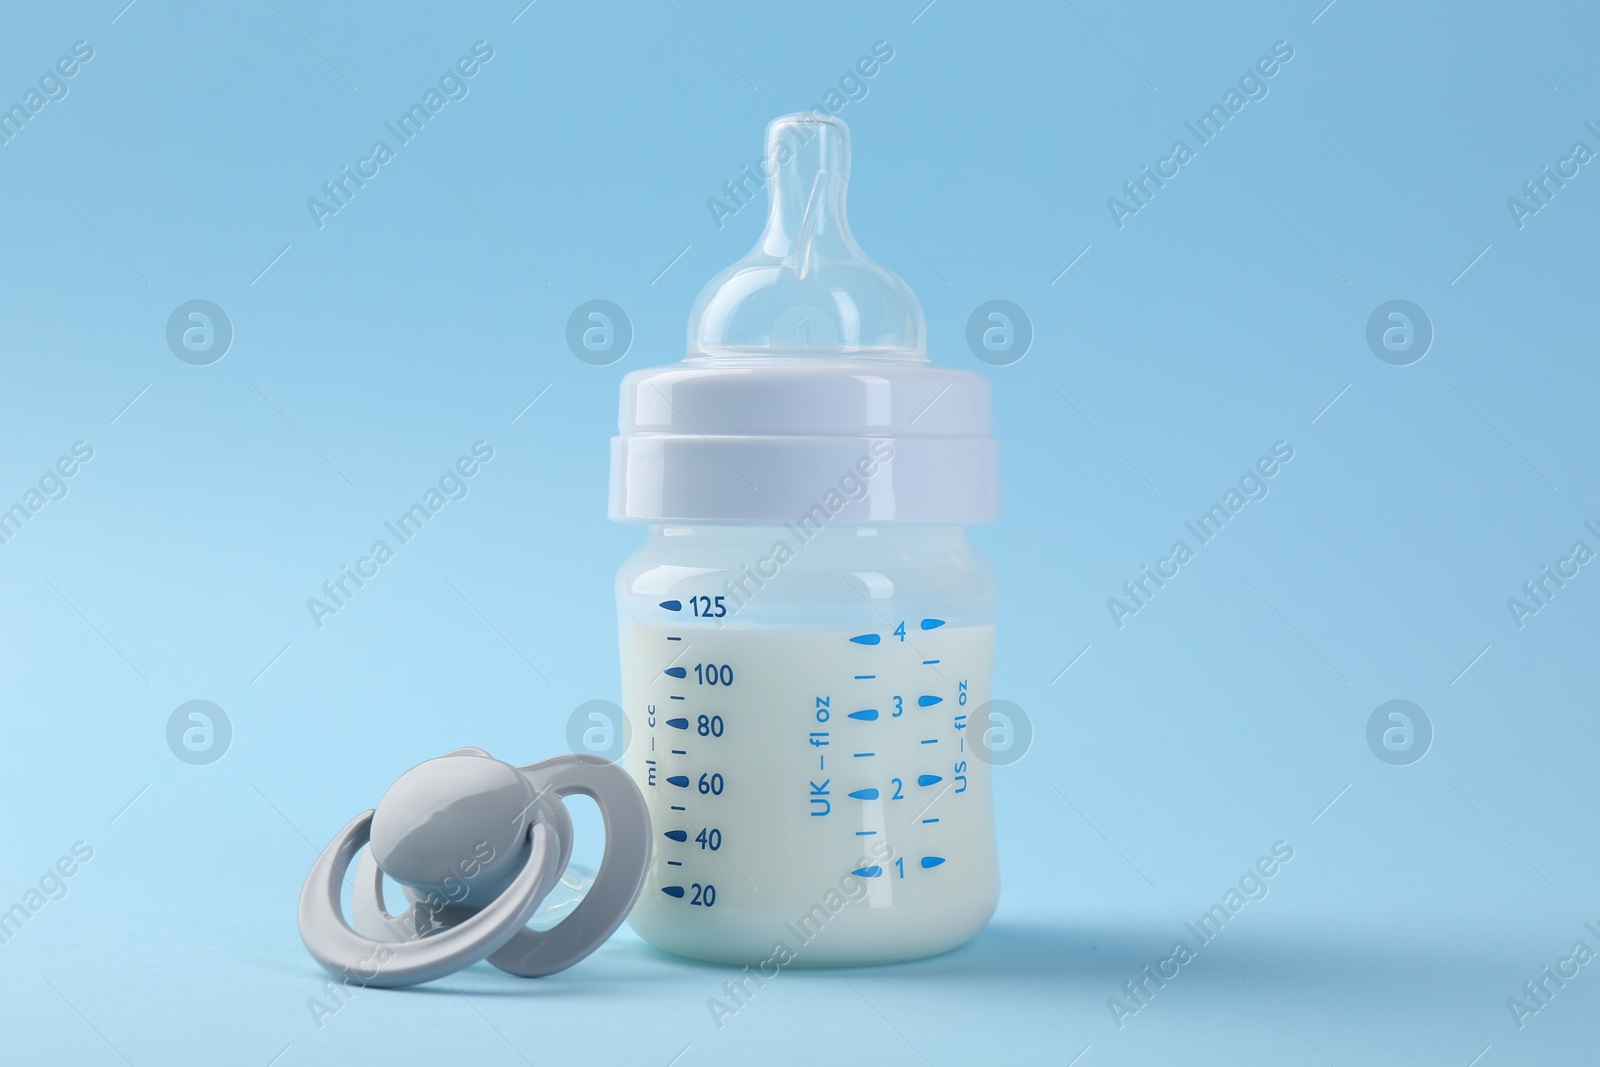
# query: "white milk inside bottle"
[[806, 636]]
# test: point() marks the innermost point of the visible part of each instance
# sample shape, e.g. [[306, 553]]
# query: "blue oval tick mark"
[[682, 781], [931, 861], [932, 624], [677, 672], [865, 715], [864, 794], [922, 779], [922, 702], [676, 835], [678, 724], [868, 872], [866, 639], [672, 605], [673, 890]]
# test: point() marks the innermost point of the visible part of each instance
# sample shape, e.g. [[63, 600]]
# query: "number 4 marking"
[[900, 631]]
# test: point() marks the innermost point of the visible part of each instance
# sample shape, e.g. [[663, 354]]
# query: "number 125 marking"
[[708, 607]]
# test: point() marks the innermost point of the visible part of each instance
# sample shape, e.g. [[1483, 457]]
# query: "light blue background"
[[426, 315]]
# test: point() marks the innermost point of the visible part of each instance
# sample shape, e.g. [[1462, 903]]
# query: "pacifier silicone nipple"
[[564, 897], [806, 290]]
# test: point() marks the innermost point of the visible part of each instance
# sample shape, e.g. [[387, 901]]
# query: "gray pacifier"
[[476, 846]]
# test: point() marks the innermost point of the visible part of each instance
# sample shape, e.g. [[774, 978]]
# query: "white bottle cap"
[[806, 385]]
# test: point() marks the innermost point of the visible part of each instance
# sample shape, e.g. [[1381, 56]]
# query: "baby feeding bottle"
[[807, 639]]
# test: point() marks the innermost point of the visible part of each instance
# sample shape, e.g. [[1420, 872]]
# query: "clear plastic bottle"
[[806, 635]]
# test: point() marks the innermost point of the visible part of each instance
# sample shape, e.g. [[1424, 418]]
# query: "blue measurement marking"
[[676, 835], [865, 715], [678, 724], [925, 663], [931, 861], [922, 702], [930, 740], [677, 672], [922, 779], [673, 891], [864, 794], [674, 863], [673, 605], [677, 698], [868, 872], [866, 639], [682, 780], [678, 807], [932, 624], [863, 755], [865, 677], [930, 820], [674, 639], [685, 752], [865, 833]]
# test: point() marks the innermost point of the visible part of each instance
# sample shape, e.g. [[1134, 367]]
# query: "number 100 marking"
[[713, 674]]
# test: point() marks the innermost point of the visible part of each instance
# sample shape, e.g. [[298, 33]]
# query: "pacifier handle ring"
[[536, 953], [371, 918], [346, 954]]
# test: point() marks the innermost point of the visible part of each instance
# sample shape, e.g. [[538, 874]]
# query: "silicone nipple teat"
[[806, 289]]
